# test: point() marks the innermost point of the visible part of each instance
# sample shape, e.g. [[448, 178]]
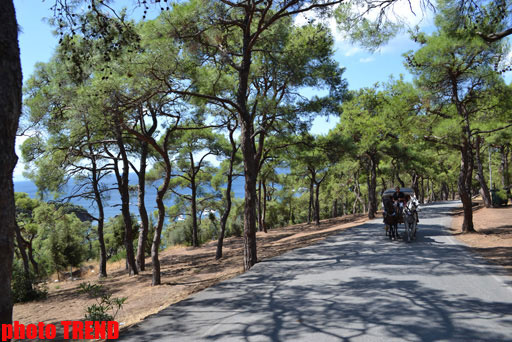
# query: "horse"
[[391, 220], [411, 218]]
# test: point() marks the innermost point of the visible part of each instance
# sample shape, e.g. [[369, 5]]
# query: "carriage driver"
[[399, 197]]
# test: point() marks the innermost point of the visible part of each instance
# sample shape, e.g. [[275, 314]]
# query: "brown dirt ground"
[[493, 237], [188, 270], [184, 271]]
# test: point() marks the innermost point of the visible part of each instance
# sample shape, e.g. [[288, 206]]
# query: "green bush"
[[178, 233], [499, 197], [235, 228], [23, 289], [502, 194], [106, 308], [120, 255]]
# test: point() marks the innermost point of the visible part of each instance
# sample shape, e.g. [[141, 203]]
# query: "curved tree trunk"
[[163, 152], [123, 186], [225, 215], [101, 222], [26, 266], [35, 265], [10, 110], [155, 246], [144, 228], [101, 213]]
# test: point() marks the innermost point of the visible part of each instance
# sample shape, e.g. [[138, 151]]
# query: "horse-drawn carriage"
[[396, 213]]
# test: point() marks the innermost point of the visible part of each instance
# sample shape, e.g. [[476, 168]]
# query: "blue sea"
[[113, 203]]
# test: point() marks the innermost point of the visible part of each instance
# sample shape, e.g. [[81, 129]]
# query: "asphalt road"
[[355, 286]]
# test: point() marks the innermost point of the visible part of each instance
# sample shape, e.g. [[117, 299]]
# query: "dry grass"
[[184, 271], [493, 237]]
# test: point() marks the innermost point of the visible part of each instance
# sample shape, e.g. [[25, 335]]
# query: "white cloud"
[[408, 12], [349, 50], [412, 13], [366, 60]]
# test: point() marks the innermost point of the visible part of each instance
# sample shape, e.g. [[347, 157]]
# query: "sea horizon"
[[113, 203]]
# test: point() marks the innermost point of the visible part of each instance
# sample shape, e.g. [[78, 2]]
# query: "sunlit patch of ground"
[[493, 239], [184, 271]]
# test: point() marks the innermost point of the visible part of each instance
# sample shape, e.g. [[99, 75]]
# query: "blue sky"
[[363, 69]]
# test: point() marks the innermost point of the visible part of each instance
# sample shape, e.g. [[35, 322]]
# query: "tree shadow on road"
[[281, 299]]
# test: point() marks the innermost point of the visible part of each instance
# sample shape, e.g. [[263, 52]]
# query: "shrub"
[[23, 289], [106, 307]]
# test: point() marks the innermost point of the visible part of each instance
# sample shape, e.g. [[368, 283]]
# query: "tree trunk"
[[21, 247], [163, 152], [414, 184], [428, 191], [484, 190], [155, 279], [311, 197], [155, 246], [291, 216], [10, 110], [445, 191], [317, 203], [26, 266], [397, 175], [505, 180], [250, 156], [334, 208], [103, 249], [101, 216], [358, 194], [123, 187], [225, 215], [464, 185], [422, 191], [144, 228], [383, 184], [193, 209], [260, 213], [31, 255], [264, 216], [251, 178], [372, 187]]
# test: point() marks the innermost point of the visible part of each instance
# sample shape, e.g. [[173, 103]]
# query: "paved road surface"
[[355, 286]]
